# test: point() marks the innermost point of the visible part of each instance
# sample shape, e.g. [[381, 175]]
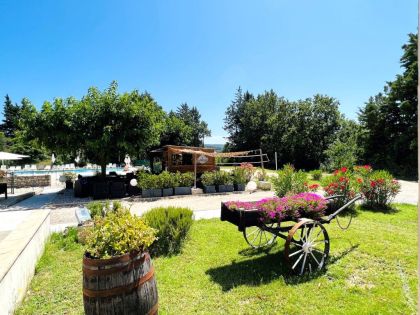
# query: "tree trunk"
[[103, 169]]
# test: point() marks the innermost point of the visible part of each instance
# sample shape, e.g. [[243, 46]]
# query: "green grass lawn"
[[372, 270]]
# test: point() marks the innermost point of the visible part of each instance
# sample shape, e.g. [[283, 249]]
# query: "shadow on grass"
[[390, 209], [263, 270]]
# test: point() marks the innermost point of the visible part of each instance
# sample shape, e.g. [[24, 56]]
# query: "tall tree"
[[390, 119], [11, 114], [102, 125], [192, 117], [176, 131]]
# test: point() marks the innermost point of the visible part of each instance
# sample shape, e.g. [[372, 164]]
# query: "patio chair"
[[27, 167], [47, 167], [18, 168], [72, 166], [100, 190], [3, 167], [12, 168], [117, 189], [33, 167]]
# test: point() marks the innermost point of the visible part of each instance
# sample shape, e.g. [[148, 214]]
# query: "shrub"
[[66, 240], [378, 189], [207, 179], [289, 181], [239, 175], [341, 182], [249, 170], [172, 225], [222, 178], [118, 233], [69, 176], [184, 179], [316, 174], [145, 180], [101, 208], [166, 180]]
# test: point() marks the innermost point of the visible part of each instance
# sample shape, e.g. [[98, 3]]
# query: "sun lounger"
[[18, 168], [27, 167], [72, 166], [3, 167], [12, 168], [33, 167], [47, 167]]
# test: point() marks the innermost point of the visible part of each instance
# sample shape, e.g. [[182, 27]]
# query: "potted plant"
[[239, 178], [183, 183], [223, 181], [149, 185], [69, 178], [117, 257], [167, 182], [207, 180]]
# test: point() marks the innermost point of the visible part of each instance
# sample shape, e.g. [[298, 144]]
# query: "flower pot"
[[167, 192], [209, 189], [120, 285], [225, 188], [239, 187], [156, 192], [182, 190], [69, 184], [146, 193]]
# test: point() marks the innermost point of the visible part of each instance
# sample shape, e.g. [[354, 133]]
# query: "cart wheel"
[[307, 246], [256, 237]]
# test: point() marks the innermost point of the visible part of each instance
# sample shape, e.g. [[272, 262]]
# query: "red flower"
[[343, 169], [372, 184], [359, 180]]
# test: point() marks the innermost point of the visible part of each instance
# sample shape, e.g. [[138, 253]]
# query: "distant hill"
[[217, 147]]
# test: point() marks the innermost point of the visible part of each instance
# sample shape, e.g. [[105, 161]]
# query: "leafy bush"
[[144, 180], [341, 182], [222, 178], [289, 181], [316, 174], [184, 179], [166, 179], [207, 179], [101, 208], [172, 225], [239, 175], [378, 189], [118, 233]]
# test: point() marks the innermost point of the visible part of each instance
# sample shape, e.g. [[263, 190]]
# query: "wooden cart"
[[307, 242]]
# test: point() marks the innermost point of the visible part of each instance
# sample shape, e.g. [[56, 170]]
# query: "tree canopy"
[[299, 131], [389, 119], [102, 126]]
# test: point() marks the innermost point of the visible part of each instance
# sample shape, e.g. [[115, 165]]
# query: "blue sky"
[[199, 52]]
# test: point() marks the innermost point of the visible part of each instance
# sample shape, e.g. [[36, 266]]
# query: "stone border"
[[19, 254]]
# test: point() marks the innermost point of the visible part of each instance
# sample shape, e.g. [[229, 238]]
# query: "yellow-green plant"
[[118, 233]]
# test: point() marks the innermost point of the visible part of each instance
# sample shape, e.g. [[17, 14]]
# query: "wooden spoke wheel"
[[307, 247], [257, 237]]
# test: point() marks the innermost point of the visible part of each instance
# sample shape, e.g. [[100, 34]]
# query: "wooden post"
[[195, 171], [261, 156], [275, 158]]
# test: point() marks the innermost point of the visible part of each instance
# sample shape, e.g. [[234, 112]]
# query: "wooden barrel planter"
[[120, 285]]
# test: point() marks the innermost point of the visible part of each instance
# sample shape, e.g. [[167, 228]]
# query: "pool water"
[[81, 171]]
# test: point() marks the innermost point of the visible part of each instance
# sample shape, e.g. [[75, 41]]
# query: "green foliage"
[[184, 179], [344, 151], [389, 119], [118, 233], [198, 128], [207, 179], [289, 181], [239, 175], [101, 125], [67, 240], [378, 188], [167, 180], [11, 115], [101, 208], [316, 174], [298, 131], [222, 178], [176, 131], [172, 225]]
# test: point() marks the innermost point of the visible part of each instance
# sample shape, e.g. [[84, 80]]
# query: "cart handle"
[[333, 215]]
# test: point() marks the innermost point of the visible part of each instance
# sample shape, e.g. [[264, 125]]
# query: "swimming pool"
[[81, 171]]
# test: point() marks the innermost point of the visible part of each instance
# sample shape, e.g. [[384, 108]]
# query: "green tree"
[[176, 131], [11, 113], [390, 119], [103, 125], [192, 117]]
